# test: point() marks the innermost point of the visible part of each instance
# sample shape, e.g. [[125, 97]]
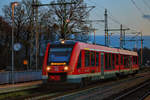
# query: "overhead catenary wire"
[[146, 4], [113, 19], [110, 15], [136, 6]]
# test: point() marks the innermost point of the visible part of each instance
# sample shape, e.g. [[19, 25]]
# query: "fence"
[[23, 76]]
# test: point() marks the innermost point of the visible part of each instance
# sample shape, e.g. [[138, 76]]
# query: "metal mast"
[[34, 22], [37, 36], [32, 38], [141, 48], [106, 28]]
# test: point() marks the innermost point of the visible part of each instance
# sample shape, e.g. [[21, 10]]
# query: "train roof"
[[94, 47]]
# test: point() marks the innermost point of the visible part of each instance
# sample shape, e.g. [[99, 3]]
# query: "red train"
[[76, 62]]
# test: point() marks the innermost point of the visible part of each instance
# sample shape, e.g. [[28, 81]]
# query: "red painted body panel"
[[45, 61], [74, 58]]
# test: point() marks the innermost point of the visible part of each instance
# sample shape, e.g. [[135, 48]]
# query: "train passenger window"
[[135, 60], [107, 61], [130, 61], [126, 61], [117, 59], [79, 62], [121, 59], [97, 59], [113, 61], [87, 58], [92, 58], [102, 61]]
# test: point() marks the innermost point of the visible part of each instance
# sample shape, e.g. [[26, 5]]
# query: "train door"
[[102, 64], [80, 62]]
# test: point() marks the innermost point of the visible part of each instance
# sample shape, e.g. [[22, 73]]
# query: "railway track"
[[16, 93], [139, 92], [96, 91], [72, 93]]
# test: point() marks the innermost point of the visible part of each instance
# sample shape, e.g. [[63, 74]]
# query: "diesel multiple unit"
[[76, 62]]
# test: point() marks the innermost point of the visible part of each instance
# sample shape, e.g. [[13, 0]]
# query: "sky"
[[127, 12]]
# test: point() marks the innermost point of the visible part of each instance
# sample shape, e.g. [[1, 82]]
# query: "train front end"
[[56, 61]]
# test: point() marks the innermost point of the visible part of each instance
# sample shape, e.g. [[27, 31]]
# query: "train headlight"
[[62, 42], [66, 68], [48, 68]]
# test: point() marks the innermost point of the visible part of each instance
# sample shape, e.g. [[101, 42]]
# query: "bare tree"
[[57, 21], [54, 22], [19, 19], [22, 21], [47, 24], [68, 18], [5, 40]]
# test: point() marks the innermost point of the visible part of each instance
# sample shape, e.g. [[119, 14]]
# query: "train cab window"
[[113, 61], [97, 59], [59, 54], [79, 62], [93, 58], [117, 59], [87, 58]]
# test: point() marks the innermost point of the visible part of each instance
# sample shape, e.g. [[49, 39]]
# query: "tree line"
[[54, 22]]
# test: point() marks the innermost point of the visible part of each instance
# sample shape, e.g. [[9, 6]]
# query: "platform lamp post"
[[13, 4]]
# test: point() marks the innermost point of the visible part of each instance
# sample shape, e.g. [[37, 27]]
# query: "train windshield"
[[59, 54]]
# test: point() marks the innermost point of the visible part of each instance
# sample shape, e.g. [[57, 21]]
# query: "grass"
[[13, 95]]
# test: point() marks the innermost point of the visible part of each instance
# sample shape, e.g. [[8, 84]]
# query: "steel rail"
[[132, 91]]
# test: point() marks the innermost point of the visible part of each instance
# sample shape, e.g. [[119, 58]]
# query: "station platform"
[[19, 86]]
